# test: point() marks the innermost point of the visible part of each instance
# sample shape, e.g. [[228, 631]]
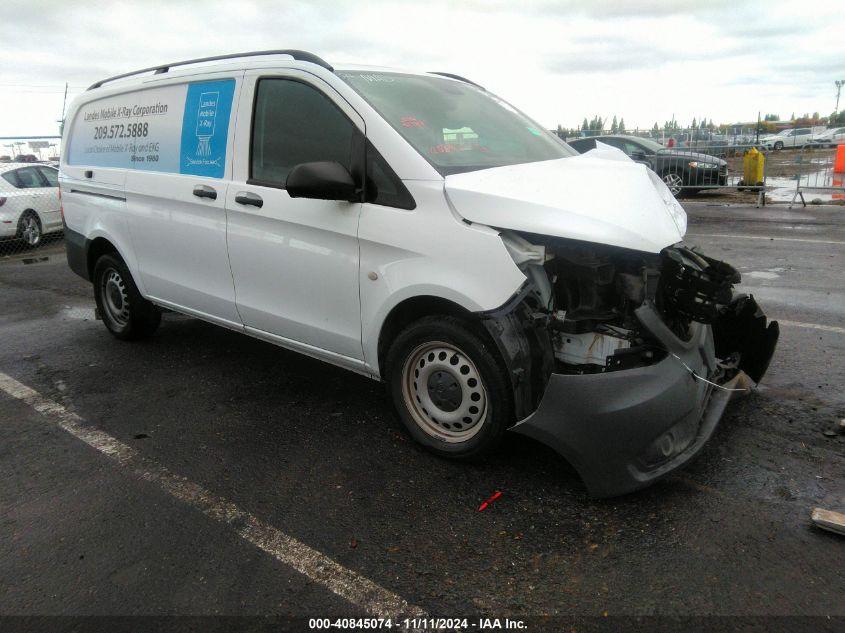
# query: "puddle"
[[81, 314], [783, 188], [35, 260]]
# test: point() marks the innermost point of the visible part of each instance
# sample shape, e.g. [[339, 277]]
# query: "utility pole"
[[64, 104], [839, 83]]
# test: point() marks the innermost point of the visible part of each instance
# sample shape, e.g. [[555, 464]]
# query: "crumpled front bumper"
[[623, 430]]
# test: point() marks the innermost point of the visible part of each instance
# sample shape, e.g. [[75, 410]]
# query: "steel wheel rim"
[[31, 231], [674, 182], [115, 297], [444, 392]]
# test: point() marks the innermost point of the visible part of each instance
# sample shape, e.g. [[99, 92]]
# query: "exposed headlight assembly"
[[701, 165]]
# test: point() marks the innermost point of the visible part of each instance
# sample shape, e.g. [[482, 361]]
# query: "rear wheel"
[[125, 313], [448, 387], [29, 228]]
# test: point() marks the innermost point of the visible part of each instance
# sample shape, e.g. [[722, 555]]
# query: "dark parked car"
[[683, 170]]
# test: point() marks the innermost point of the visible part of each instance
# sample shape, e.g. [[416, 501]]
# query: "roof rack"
[[459, 78], [302, 56]]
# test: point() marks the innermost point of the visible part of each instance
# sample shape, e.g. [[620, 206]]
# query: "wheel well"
[[98, 247], [408, 311]]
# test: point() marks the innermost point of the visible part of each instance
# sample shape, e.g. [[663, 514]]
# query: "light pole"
[[839, 83]]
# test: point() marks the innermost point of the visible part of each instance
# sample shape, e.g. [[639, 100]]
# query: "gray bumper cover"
[[624, 429]]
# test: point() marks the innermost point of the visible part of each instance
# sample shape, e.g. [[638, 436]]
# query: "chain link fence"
[[30, 208]]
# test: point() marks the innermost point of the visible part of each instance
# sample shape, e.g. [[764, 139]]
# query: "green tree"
[[614, 127], [621, 129], [585, 126]]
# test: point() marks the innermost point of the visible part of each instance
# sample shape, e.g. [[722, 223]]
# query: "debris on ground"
[[829, 520], [484, 505]]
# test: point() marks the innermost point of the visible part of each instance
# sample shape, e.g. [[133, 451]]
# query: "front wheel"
[[779, 145], [448, 387], [125, 313]]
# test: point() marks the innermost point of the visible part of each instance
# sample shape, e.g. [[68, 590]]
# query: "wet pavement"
[[315, 452]]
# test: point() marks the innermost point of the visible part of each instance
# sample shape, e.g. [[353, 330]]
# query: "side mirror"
[[323, 180], [638, 154]]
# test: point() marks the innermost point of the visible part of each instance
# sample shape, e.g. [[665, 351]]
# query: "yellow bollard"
[[753, 164]]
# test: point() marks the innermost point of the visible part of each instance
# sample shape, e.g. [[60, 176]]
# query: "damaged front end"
[[624, 361]]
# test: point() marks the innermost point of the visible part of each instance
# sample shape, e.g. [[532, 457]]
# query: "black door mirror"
[[638, 154], [323, 180]]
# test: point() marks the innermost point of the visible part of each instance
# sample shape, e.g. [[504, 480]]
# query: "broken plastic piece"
[[484, 505], [829, 520]]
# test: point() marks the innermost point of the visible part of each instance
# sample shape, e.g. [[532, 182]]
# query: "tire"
[[449, 387], [778, 146], [30, 230], [674, 181], [125, 313]]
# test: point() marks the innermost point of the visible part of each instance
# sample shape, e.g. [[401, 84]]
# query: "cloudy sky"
[[559, 60]]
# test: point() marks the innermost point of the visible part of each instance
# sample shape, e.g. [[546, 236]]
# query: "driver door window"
[[293, 124]]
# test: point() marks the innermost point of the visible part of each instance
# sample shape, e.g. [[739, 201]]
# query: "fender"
[[522, 336]]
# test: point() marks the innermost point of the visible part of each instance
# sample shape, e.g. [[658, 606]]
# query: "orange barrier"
[[839, 163]]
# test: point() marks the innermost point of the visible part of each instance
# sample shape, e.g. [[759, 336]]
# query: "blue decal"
[[205, 128]]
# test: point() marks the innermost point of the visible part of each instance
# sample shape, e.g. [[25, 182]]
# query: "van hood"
[[601, 197]]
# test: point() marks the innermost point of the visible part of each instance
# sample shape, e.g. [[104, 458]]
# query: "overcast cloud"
[[559, 61]]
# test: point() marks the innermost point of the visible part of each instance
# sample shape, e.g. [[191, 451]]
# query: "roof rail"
[[458, 77], [302, 56]]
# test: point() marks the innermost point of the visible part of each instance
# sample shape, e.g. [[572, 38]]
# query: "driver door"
[[294, 260]]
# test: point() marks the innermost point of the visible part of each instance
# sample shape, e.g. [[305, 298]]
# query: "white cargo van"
[[417, 229]]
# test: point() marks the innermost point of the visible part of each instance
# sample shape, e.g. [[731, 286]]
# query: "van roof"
[[218, 62]]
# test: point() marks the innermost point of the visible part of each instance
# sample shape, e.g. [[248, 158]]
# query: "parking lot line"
[[318, 567], [813, 326], [765, 237]]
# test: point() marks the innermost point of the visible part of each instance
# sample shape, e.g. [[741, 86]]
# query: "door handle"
[[247, 197], [204, 191]]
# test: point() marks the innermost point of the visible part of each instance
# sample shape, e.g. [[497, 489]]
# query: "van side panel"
[[157, 146]]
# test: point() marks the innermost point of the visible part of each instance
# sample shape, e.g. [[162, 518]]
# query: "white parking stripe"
[[764, 237], [318, 567], [813, 326]]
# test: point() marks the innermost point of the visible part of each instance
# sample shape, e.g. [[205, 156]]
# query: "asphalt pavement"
[[205, 473]]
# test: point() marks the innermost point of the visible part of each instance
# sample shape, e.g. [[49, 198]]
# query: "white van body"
[[160, 171]]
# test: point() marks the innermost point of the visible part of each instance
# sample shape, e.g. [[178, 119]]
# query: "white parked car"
[[794, 137], [417, 229], [830, 138], [29, 202]]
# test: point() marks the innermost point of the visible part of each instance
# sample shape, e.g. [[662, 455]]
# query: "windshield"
[[457, 127]]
